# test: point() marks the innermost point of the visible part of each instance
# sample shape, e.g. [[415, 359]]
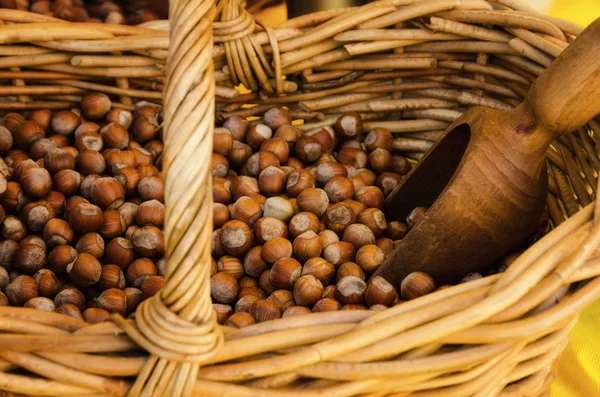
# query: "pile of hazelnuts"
[[298, 221], [81, 208], [100, 11]]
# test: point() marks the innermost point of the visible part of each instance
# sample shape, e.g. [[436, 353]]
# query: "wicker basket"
[[500, 335]]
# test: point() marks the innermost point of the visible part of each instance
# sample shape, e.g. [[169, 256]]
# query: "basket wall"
[[500, 335]]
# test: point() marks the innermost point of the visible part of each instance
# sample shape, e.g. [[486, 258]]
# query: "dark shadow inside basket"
[[424, 183]]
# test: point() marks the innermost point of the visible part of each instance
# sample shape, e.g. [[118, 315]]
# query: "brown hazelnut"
[[221, 190], [298, 181], [284, 273], [313, 200], [59, 159], [151, 188], [84, 128], [349, 125], [155, 148], [254, 264], [85, 217], [387, 182], [379, 138], [13, 198], [320, 269], [113, 225], [120, 251], [57, 232], [239, 154], [33, 239], [107, 193], [328, 237], [370, 196], [380, 292], [22, 167], [13, 228], [221, 215], [244, 186], [29, 258], [282, 298], [71, 296], [352, 156], [416, 284], [386, 245], [326, 305], [120, 116], [27, 133], [95, 315], [115, 136], [223, 141], [67, 181], [293, 311], [294, 163], [36, 214], [20, 290], [7, 250], [91, 243], [278, 147], [369, 257], [350, 290], [275, 249], [308, 149], [349, 269], [271, 181], [40, 303], [306, 246], [151, 286], [239, 320], [133, 298], [400, 165], [90, 162], [248, 281], [231, 265], [278, 207], [339, 252], [257, 134], [380, 160], [148, 241], [117, 159], [42, 117], [65, 122], [415, 217], [36, 182], [41, 147], [264, 310], [150, 213], [4, 278], [268, 228], [325, 138], [238, 127], [112, 300], [264, 282], [69, 310], [276, 117], [85, 271], [112, 277], [128, 212], [60, 258], [374, 219], [358, 235], [236, 238], [219, 165], [307, 290], [245, 302], [328, 170], [245, 291], [138, 271], [396, 230], [224, 288], [6, 140], [259, 161], [145, 128], [247, 210], [142, 156], [340, 216]]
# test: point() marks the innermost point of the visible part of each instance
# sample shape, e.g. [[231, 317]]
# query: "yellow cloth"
[[579, 366]]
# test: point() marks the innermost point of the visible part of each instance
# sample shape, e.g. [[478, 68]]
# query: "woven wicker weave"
[[500, 335]]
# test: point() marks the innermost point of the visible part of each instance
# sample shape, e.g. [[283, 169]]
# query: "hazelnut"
[[220, 165], [471, 277], [85, 271], [95, 315], [61, 257], [380, 160], [13, 228], [380, 292], [349, 269], [350, 290], [379, 138], [416, 216], [138, 271], [59, 159], [271, 181], [244, 186], [40, 303], [22, 167], [275, 249], [112, 300], [282, 298], [313, 200], [133, 298], [264, 282], [254, 264], [224, 288], [259, 161], [151, 188], [328, 237], [339, 252], [151, 286], [85, 217], [388, 181], [298, 181], [4, 278], [307, 245], [349, 125], [255, 291], [113, 225], [293, 311], [276, 117], [264, 310], [303, 222], [231, 265], [155, 148], [67, 181], [326, 305], [69, 310], [239, 320], [238, 127], [221, 191], [396, 230], [370, 196], [120, 251], [416, 284], [352, 156], [128, 212], [142, 157], [400, 165], [320, 269], [307, 290], [112, 277], [145, 128], [14, 197], [248, 281], [6, 140], [33, 239], [278, 147], [120, 116], [328, 170], [36, 182], [70, 296], [236, 238], [57, 232], [148, 241], [247, 210], [374, 219], [369, 257], [117, 159], [41, 147], [115, 136], [257, 134], [7, 250], [325, 138], [84, 128], [308, 149], [239, 154], [358, 235], [284, 273], [29, 258], [107, 193], [36, 214], [268, 228], [295, 164], [92, 244], [386, 245], [221, 215], [28, 132], [65, 122], [150, 213], [90, 162], [339, 216], [245, 302], [278, 207], [20, 290]]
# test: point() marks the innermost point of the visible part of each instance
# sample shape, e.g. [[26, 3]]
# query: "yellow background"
[[579, 367]]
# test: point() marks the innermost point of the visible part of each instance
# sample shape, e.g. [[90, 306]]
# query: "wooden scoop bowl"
[[485, 181]]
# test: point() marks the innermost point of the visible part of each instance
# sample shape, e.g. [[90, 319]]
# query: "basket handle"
[[567, 93]]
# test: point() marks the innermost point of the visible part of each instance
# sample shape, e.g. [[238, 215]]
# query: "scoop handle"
[[567, 94]]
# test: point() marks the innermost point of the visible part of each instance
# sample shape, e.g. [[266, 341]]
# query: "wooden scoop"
[[485, 180]]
